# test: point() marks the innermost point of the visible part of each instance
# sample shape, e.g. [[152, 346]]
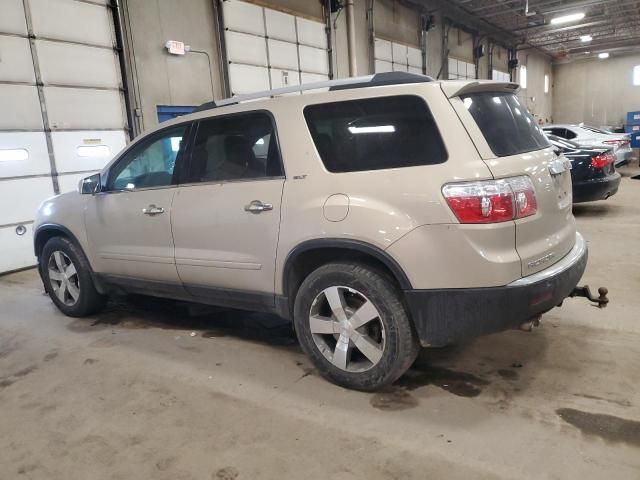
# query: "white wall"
[[539, 103], [596, 92]]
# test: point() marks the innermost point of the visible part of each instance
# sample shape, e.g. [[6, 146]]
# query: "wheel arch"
[[309, 255], [47, 231]]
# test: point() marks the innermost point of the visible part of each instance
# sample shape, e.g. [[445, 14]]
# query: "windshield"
[[505, 123]]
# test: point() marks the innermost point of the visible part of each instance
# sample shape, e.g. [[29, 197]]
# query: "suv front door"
[[128, 221], [226, 217]]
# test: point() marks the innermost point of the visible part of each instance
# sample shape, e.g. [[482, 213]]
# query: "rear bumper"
[[444, 316], [623, 156], [596, 189]]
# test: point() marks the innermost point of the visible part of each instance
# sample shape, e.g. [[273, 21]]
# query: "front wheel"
[[351, 322], [67, 278]]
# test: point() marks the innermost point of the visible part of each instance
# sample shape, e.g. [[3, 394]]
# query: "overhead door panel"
[[461, 70], [382, 66], [313, 60], [247, 78], [15, 60], [283, 55], [23, 153], [81, 108], [246, 48], [24, 106], [399, 57], [12, 19], [414, 59], [312, 77], [283, 78], [72, 21], [62, 114], [281, 26], [24, 195], [78, 65], [243, 17], [383, 50], [268, 49], [311, 33], [86, 150], [17, 250], [396, 56]]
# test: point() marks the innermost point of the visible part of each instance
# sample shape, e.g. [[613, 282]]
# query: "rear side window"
[[506, 124], [235, 147], [375, 134]]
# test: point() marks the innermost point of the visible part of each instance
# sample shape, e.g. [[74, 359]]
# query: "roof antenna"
[[527, 13]]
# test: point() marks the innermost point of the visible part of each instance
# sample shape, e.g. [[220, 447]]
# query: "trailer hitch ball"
[[601, 301]]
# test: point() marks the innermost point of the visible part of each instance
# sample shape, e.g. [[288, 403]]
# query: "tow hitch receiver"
[[585, 292]]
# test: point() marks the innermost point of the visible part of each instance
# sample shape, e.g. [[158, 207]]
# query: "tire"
[[358, 354], [76, 296]]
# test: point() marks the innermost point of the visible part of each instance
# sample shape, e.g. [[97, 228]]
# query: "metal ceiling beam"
[[616, 18], [596, 38], [609, 46], [463, 18]]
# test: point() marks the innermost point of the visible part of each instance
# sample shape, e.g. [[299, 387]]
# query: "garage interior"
[[159, 389]]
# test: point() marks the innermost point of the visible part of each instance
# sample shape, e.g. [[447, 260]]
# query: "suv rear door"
[[226, 214], [511, 144]]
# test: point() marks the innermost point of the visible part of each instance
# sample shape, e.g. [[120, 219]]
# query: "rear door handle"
[[152, 210], [256, 206]]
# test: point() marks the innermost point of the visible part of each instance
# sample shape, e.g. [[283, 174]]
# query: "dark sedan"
[[593, 172]]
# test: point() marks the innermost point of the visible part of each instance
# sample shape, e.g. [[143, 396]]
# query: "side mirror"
[[89, 185]]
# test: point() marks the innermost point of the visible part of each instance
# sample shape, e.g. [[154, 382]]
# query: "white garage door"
[[270, 49], [501, 76], [396, 57], [62, 112], [461, 70]]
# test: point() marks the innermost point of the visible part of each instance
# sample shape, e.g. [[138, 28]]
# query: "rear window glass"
[[506, 124], [375, 134]]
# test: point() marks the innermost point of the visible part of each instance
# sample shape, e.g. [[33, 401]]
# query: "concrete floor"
[[147, 390]]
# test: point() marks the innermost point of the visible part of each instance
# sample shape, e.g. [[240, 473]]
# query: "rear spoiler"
[[458, 88]]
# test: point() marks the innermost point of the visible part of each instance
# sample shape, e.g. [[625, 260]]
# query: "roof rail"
[[375, 80]]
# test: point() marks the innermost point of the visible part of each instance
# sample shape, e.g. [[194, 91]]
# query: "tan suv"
[[379, 213]]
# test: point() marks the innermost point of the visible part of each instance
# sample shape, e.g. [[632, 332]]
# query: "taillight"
[[491, 201], [601, 161], [618, 143]]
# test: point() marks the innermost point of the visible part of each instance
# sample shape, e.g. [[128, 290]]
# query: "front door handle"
[[256, 206], [152, 210]]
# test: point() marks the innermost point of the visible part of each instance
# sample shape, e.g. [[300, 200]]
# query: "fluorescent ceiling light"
[[603, 55], [586, 38], [574, 17], [13, 155], [375, 129]]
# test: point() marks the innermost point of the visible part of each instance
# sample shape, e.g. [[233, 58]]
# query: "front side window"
[[375, 134], [507, 126], [235, 147], [150, 163]]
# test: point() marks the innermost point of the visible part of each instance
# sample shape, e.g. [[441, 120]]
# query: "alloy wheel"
[[347, 329], [63, 278]]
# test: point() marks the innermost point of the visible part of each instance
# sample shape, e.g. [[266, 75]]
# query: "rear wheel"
[[351, 322], [67, 278]]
